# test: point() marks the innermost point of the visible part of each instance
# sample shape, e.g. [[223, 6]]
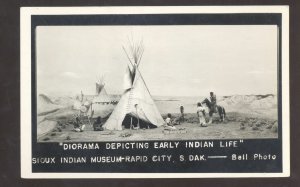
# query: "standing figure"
[[181, 119], [213, 107], [213, 100], [201, 115]]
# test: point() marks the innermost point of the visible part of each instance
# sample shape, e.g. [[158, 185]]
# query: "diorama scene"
[[132, 83]]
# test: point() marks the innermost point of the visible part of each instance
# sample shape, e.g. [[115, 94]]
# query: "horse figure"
[[220, 109]]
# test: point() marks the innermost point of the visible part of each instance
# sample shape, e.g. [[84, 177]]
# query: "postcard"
[[155, 92]]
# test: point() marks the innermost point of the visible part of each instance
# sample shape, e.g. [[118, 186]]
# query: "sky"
[[177, 61]]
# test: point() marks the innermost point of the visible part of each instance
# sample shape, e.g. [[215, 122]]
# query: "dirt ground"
[[236, 126]]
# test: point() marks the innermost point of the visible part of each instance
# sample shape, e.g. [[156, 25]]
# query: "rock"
[[46, 139], [68, 138], [267, 123], [255, 128], [258, 124], [240, 119], [242, 127], [263, 122], [274, 128], [269, 126], [230, 118]]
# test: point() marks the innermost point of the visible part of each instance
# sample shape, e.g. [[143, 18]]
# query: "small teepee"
[[100, 87], [103, 104], [136, 106]]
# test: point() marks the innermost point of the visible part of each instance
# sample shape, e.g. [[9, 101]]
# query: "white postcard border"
[[25, 76]]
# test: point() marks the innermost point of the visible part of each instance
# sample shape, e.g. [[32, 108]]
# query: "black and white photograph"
[[129, 92], [119, 83]]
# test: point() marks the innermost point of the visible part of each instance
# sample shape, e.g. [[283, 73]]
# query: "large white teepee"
[[136, 102]]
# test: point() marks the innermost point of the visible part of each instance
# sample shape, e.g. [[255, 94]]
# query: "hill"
[[264, 105], [45, 105]]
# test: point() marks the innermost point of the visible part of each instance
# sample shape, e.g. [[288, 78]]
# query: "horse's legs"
[[210, 117], [220, 114], [223, 113]]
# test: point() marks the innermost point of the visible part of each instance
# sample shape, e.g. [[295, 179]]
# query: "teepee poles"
[[127, 55], [137, 51], [138, 118]]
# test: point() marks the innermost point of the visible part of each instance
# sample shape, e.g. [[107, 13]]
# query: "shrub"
[[53, 134]]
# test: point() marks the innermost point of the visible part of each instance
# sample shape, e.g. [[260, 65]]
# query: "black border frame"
[[40, 149]]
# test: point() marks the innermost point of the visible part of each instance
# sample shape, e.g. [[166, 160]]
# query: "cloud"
[[69, 74]]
